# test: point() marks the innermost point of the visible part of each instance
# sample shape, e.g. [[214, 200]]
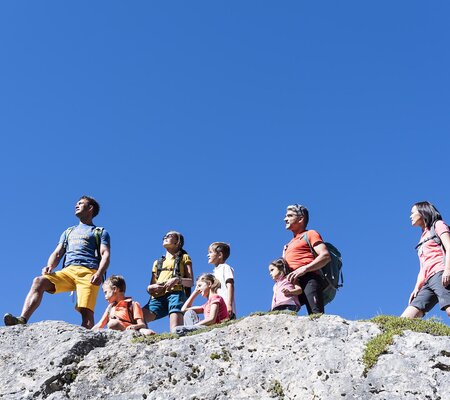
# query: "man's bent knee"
[[42, 284]]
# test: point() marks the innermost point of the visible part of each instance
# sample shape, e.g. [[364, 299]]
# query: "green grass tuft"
[[391, 326]]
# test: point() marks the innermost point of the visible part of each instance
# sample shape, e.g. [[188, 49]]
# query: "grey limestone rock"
[[273, 356]]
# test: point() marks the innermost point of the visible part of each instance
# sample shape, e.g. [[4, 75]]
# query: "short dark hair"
[[118, 281], [92, 202], [428, 212], [301, 211], [221, 247]]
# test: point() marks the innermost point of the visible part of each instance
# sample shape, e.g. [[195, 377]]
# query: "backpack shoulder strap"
[[66, 242], [98, 231], [176, 267], [67, 233], [305, 237], [159, 266], [130, 305]]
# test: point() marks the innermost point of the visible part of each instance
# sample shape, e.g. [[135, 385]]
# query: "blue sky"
[[210, 118]]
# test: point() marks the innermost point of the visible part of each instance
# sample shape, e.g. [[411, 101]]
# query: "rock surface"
[[259, 357]]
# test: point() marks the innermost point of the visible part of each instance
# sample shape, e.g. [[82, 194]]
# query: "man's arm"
[[322, 258], [103, 265], [54, 259]]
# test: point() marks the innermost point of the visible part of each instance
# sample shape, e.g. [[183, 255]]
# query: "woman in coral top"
[[433, 281]]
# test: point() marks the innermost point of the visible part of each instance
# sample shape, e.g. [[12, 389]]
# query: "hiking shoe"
[[10, 320]]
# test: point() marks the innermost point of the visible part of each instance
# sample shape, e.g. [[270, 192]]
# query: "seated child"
[[122, 313], [215, 309], [218, 253], [285, 294]]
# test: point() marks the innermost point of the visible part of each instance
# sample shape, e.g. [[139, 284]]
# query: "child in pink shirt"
[[285, 294], [215, 309]]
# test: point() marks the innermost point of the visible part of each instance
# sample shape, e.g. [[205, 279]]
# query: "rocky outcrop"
[[259, 357]]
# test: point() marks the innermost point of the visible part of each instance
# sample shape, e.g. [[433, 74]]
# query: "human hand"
[[286, 292], [446, 278], [294, 275], [171, 283], [197, 290], [413, 295], [155, 289], [47, 270], [97, 279]]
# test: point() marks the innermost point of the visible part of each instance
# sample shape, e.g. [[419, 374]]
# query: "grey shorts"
[[431, 293]]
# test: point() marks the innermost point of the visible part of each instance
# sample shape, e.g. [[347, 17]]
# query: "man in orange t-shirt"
[[302, 261]]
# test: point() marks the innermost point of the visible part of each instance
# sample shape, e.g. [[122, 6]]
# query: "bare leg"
[[412, 312], [148, 315], [39, 286], [115, 325], [447, 310], [176, 319], [87, 317]]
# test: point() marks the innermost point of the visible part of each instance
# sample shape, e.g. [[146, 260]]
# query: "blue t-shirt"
[[82, 246]]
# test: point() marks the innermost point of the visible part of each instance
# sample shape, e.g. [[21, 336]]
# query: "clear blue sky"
[[209, 118]]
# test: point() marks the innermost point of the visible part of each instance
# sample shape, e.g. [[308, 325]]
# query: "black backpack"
[[331, 272]]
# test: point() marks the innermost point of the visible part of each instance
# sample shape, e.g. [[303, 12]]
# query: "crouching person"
[[122, 312], [215, 309]]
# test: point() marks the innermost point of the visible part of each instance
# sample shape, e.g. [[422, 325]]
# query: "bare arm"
[[214, 310], [103, 320], [230, 292], [140, 323], [292, 292], [445, 239], [54, 259], [188, 303], [323, 258], [103, 265]]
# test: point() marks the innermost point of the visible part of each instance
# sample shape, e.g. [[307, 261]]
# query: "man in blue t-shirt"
[[87, 252]]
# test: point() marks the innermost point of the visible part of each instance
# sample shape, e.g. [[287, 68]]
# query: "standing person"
[[302, 261], [433, 281], [214, 309], [87, 253], [218, 253], [285, 294], [171, 274]]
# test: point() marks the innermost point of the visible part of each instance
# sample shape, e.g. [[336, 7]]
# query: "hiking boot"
[[10, 320]]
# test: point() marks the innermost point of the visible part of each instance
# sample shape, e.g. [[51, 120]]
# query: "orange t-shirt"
[[297, 253], [120, 311]]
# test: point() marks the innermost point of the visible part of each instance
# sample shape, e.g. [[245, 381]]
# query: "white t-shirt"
[[223, 272]]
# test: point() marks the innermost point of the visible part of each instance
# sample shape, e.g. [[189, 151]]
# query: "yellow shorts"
[[76, 277]]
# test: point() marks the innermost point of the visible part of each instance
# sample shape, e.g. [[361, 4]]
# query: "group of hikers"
[[297, 275]]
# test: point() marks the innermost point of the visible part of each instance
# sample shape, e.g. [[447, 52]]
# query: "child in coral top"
[[122, 313], [215, 309], [285, 294]]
